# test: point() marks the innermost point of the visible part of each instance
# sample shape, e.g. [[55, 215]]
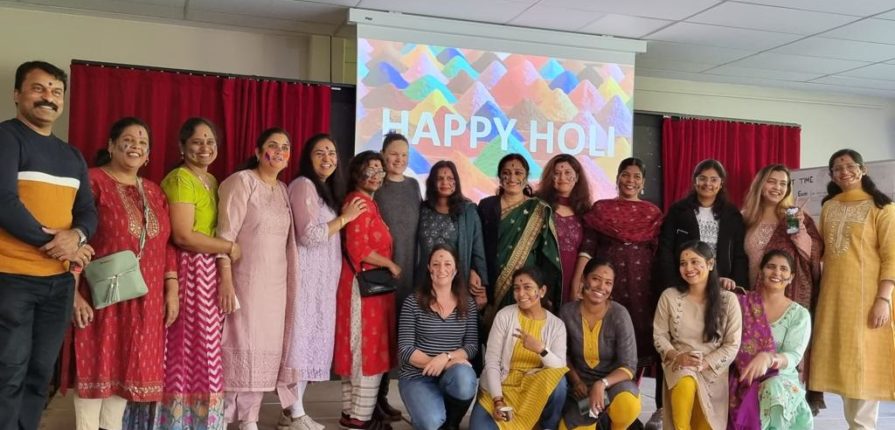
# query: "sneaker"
[[655, 421]]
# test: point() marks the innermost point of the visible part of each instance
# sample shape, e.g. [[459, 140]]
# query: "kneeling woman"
[[522, 382], [602, 353], [697, 333], [764, 384], [437, 336]]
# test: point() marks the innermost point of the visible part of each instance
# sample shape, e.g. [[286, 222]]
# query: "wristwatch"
[[449, 356], [82, 238], [605, 383], [544, 352]]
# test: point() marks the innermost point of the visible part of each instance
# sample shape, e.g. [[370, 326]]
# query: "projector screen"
[[473, 106]]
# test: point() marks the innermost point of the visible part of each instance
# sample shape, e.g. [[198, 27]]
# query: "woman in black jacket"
[[706, 215]]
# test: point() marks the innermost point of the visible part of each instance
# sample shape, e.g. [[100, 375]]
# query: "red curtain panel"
[[743, 148], [240, 107]]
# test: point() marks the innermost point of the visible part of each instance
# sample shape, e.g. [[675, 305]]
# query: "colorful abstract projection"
[[473, 107]]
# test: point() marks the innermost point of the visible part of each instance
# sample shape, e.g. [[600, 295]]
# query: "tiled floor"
[[322, 403]]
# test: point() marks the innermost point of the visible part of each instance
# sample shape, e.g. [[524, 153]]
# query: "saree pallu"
[[193, 398], [757, 337], [526, 238]]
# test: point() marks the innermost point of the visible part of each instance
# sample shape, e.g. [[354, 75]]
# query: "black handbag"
[[373, 282]]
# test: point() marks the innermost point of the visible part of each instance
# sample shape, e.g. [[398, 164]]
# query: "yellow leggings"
[[686, 413], [624, 409]]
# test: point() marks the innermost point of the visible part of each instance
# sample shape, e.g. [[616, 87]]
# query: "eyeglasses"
[[372, 173], [850, 168]]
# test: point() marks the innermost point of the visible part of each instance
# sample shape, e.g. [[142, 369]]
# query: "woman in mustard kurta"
[[525, 362], [854, 343]]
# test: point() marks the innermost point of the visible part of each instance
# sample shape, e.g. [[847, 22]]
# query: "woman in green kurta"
[[518, 232], [853, 349]]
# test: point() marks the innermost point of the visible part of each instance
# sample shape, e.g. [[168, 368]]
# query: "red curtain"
[[240, 107], [743, 149]]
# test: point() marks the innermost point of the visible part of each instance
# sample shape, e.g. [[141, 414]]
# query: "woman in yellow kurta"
[[854, 342], [524, 364]]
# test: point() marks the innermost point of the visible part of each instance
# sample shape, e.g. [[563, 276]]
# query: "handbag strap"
[[350, 263], [145, 216]]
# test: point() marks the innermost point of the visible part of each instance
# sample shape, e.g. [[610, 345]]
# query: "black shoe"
[[455, 410]]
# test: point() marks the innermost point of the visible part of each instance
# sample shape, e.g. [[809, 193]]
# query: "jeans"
[[34, 312], [550, 416], [424, 397]]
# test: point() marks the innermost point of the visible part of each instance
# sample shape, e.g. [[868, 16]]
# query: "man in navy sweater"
[[46, 215]]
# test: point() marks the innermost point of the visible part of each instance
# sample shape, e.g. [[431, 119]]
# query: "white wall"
[[829, 121], [59, 37]]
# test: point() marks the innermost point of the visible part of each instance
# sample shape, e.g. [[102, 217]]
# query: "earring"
[[146, 163], [642, 191]]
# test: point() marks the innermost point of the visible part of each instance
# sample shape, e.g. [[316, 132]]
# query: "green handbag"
[[117, 277]]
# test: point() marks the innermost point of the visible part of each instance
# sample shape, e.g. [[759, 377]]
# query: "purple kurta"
[[311, 306], [256, 215]]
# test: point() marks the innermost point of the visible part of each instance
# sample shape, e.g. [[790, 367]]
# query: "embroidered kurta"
[[311, 304], [378, 318], [848, 357], [256, 216], [782, 397], [569, 235], [678, 326], [122, 352]]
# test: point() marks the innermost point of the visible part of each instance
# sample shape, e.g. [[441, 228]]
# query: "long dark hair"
[[527, 191], [331, 190], [579, 198], [103, 156], [721, 198], [358, 164], [712, 330], [867, 184], [253, 161], [456, 201], [425, 294]]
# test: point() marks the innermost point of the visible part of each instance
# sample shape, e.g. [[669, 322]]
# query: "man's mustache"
[[47, 104]]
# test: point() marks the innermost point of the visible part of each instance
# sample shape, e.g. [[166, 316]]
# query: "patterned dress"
[[256, 216], [373, 319], [122, 352], [569, 234], [311, 305], [193, 398]]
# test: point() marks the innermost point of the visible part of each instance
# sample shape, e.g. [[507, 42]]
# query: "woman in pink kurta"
[[253, 210], [366, 342]]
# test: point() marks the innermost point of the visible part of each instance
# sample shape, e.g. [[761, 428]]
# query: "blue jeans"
[[424, 396], [550, 416], [34, 312]]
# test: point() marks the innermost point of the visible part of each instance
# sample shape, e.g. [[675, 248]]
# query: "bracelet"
[[170, 278], [885, 299], [497, 400], [341, 223]]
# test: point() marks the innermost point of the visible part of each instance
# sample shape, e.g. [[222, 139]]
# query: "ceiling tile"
[[839, 48], [661, 9], [751, 72], [289, 10], [705, 34], [680, 66], [798, 63], [853, 8], [555, 18], [154, 8], [494, 11], [857, 82], [868, 30], [770, 18], [880, 71], [625, 25], [656, 50], [251, 21]]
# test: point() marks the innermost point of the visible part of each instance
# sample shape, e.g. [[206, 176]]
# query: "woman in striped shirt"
[[437, 336]]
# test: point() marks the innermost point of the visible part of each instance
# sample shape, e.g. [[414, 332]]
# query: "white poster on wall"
[[811, 183]]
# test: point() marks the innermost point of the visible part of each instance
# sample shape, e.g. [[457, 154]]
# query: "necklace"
[[114, 176], [201, 176], [510, 207]]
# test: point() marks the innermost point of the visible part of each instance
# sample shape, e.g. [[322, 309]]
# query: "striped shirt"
[[426, 331], [43, 183]]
